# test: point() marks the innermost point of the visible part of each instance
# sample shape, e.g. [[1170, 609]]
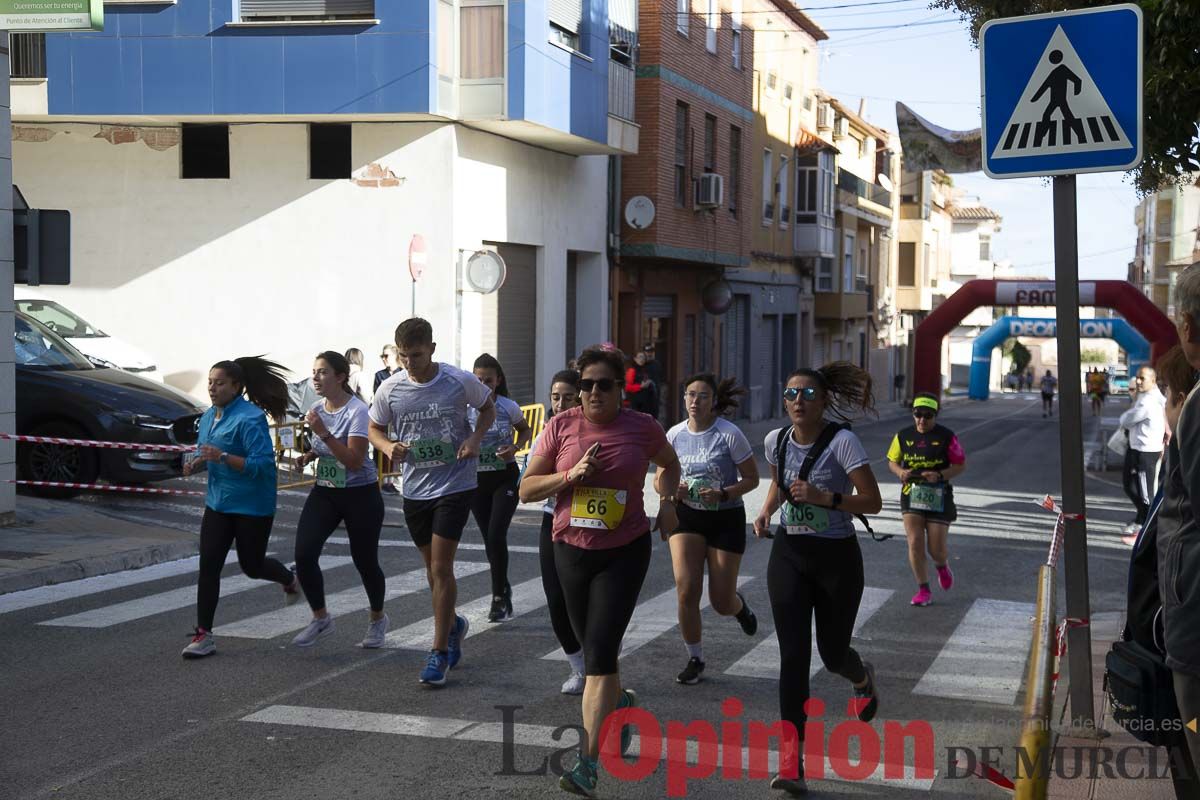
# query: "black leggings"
[[361, 509], [559, 620], [809, 575], [218, 532], [601, 590], [494, 504]]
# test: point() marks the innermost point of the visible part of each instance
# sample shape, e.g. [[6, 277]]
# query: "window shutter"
[[251, 9], [567, 14]]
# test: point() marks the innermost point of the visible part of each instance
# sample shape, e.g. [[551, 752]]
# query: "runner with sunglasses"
[[816, 568], [718, 470], [925, 457], [593, 460]]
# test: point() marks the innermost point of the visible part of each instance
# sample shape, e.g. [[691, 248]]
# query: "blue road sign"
[[1062, 93]]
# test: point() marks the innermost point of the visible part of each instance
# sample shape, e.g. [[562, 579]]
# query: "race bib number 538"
[[601, 509], [430, 453]]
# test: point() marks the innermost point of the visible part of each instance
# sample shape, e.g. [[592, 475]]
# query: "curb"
[[135, 558]]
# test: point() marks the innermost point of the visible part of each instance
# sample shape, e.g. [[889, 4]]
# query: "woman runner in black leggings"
[[235, 448], [495, 499], [816, 568], [564, 395], [347, 491]]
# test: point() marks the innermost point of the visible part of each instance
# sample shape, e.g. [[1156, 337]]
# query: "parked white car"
[[100, 348]]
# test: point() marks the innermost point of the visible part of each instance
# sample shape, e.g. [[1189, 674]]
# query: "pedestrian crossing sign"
[[1062, 93]]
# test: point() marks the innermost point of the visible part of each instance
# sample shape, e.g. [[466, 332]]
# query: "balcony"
[[872, 202], [620, 90], [836, 305]]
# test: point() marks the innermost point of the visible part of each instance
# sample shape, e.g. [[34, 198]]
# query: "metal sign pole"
[[1075, 563]]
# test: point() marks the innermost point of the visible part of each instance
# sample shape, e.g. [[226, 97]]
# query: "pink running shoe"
[[945, 577], [922, 598]]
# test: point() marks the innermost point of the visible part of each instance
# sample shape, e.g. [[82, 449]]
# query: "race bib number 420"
[[804, 518], [430, 453], [601, 509], [927, 497]]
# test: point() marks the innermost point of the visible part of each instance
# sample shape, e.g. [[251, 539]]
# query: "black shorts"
[[948, 514], [446, 516], [724, 529]]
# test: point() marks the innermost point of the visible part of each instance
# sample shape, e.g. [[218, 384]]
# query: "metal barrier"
[[289, 443]]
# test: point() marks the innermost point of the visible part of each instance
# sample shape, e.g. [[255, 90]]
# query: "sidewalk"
[[1106, 629], [55, 542]]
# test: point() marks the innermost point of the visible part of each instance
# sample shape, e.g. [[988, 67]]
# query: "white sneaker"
[[375, 633], [573, 684], [317, 629], [202, 645], [1132, 529]]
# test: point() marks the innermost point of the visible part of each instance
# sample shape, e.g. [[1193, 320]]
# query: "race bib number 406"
[[804, 518], [430, 453], [601, 509]]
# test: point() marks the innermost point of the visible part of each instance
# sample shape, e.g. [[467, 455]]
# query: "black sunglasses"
[[924, 414], [791, 393], [603, 384]]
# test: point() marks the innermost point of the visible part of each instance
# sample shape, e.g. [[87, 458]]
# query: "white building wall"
[[8, 378], [270, 261]]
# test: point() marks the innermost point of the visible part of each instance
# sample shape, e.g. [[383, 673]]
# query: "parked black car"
[[61, 393]]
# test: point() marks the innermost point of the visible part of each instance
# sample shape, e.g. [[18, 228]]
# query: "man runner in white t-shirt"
[[426, 404]]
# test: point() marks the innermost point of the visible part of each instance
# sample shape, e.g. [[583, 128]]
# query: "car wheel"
[[56, 462]]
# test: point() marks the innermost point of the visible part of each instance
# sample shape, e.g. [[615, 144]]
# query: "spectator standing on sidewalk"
[[1146, 423], [1179, 528], [358, 378], [390, 355]]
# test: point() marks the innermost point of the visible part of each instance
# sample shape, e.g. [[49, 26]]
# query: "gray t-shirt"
[[508, 413], [432, 419], [831, 473], [552, 500], [710, 458], [349, 420]]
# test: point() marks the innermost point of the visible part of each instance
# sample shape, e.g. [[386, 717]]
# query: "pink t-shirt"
[[627, 445]]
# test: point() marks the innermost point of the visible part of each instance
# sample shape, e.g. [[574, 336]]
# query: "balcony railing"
[[620, 90], [867, 191], [28, 55]]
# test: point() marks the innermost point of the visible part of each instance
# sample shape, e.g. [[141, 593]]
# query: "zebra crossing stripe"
[[984, 659], [512, 548], [115, 614], [526, 597], [292, 618], [651, 619], [544, 736], [45, 595], [763, 661]]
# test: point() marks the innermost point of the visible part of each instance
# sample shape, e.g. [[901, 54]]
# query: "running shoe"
[[581, 778], [319, 628], [574, 683], [508, 607], [454, 642], [793, 786], [292, 592], [435, 670], [202, 644], [375, 633], [746, 617], [628, 699], [866, 699], [945, 577], [1132, 529], [923, 597], [691, 673], [498, 612]]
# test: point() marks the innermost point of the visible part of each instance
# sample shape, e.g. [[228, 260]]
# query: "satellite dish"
[[885, 182], [639, 212]]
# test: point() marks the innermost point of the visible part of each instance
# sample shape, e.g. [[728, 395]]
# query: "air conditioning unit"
[[710, 190], [824, 117], [841, 127]]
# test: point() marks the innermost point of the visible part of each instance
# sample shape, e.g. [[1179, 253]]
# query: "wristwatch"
[[327, 436], [837, 500], [724, 495], [223, 458]]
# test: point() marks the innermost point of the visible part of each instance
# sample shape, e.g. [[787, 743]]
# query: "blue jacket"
[[243, 432]]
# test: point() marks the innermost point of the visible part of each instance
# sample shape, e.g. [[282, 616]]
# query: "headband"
[[926, 402]]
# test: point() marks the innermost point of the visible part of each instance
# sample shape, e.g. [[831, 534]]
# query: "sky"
[[932, 67]]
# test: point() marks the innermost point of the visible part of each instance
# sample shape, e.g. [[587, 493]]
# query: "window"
[[862, 148], [204, 151], [985, 247], [772, 81], [681, 129], [826, 189], [824, 274], [785, 212], [768, 187], [564, 37], [860, 274], [787, 93], [682, 8], [566, 19], [808, 102], [328, 151], [807, 178], [908, 264], [711, 19], [735, 168], [481, 42], [848, 263], [926, 265], [305, 10], [737, 49], [710, 143]]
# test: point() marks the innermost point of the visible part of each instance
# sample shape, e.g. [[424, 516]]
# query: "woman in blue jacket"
[[235, 448]]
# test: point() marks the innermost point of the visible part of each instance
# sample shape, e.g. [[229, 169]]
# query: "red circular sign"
[[416, 256]]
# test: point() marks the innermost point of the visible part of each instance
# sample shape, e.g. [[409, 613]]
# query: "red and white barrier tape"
[[159, 448], [1060, 647], [1060, 527], [106, 487]]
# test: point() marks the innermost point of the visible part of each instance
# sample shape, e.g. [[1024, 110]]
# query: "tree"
[[1019, 354], [1171, 96], [1093, 356]]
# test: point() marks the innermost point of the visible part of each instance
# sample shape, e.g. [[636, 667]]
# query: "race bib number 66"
[[601, 509]]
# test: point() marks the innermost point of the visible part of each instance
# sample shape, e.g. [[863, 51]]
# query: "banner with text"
[[52, 15]]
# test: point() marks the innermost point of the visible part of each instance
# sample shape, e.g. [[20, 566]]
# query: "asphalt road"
[[98, 704]]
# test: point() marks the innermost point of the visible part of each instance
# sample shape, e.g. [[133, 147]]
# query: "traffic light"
[[41, 246]]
